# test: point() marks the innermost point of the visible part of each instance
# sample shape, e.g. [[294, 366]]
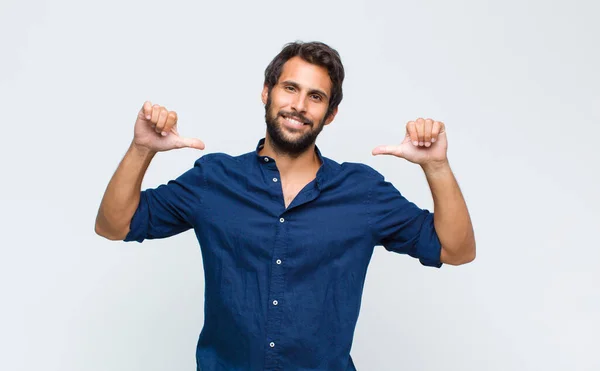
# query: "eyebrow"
[[311, 91]]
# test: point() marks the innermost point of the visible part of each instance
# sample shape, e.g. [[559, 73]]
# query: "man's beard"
[[281, 143]]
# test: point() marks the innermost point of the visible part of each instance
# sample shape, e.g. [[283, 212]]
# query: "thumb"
[[191, 143], [387, 150], [146, 110]]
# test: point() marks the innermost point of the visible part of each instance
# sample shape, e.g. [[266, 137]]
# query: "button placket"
[[274, 314]]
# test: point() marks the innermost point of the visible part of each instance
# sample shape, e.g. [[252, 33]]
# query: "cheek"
[[318, 113], [283, 102]]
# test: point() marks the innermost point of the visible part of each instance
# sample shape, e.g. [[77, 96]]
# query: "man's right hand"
[[156, 130]]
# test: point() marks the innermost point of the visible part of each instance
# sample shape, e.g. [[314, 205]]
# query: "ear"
[[331, 116], [265, 94]]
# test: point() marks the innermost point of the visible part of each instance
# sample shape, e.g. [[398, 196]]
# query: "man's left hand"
[[425, 143]]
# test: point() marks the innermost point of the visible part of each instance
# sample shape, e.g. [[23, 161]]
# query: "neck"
[[300, 164]]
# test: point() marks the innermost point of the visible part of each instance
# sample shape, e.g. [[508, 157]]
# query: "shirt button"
[[275, 302], [266, 159], [278, 261], [275, 180], [282, 220], [272, 344]]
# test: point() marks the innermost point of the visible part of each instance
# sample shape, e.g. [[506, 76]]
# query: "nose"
[[299, 103]]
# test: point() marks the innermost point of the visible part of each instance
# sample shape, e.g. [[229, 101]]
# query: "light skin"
[[155, 131], [304, 89], [425, 144]]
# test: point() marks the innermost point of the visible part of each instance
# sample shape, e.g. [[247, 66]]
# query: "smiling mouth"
[[294, 120]]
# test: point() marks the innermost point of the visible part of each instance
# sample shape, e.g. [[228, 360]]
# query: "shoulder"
[[354, 170], [358, 176], [219, 159], [221, 167]]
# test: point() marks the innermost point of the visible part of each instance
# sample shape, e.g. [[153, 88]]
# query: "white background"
[[517, 84]]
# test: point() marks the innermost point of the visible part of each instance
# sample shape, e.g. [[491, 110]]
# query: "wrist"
[[436, 167], [141, 151]]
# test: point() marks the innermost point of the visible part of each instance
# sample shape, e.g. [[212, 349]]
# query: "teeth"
[[294, 121]]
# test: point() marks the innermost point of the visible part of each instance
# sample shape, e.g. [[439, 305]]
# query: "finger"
[[155, 113], [147, 110], [190, 143], [171, 121], [162, 120], [435, 131], [411, 129], [427, 132], [420, 124], [387, 150]]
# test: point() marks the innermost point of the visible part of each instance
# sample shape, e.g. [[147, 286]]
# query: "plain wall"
[[516, 83]]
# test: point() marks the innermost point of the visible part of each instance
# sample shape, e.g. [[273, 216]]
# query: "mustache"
[[296, 116]]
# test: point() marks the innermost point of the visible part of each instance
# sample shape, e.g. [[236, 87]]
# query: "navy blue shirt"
[[283, 287]]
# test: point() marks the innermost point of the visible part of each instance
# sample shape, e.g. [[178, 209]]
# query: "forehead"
[[307, 75]]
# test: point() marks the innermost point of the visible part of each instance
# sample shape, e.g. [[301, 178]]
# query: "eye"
[[316, 97], [289, 88]]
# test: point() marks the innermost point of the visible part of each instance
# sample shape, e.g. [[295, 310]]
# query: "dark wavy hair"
[[316, 53]]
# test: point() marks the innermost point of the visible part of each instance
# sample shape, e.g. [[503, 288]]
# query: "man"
[[286, 234]]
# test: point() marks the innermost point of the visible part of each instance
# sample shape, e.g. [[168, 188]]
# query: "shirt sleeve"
[[168, 209], [401, 226]]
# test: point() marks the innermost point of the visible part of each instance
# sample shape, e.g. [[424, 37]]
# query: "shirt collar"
[[261, 144], [321, 173]]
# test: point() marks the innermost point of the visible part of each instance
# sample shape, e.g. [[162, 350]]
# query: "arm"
[[155, 131], [122, 194], [425, 143], [451, 217]]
